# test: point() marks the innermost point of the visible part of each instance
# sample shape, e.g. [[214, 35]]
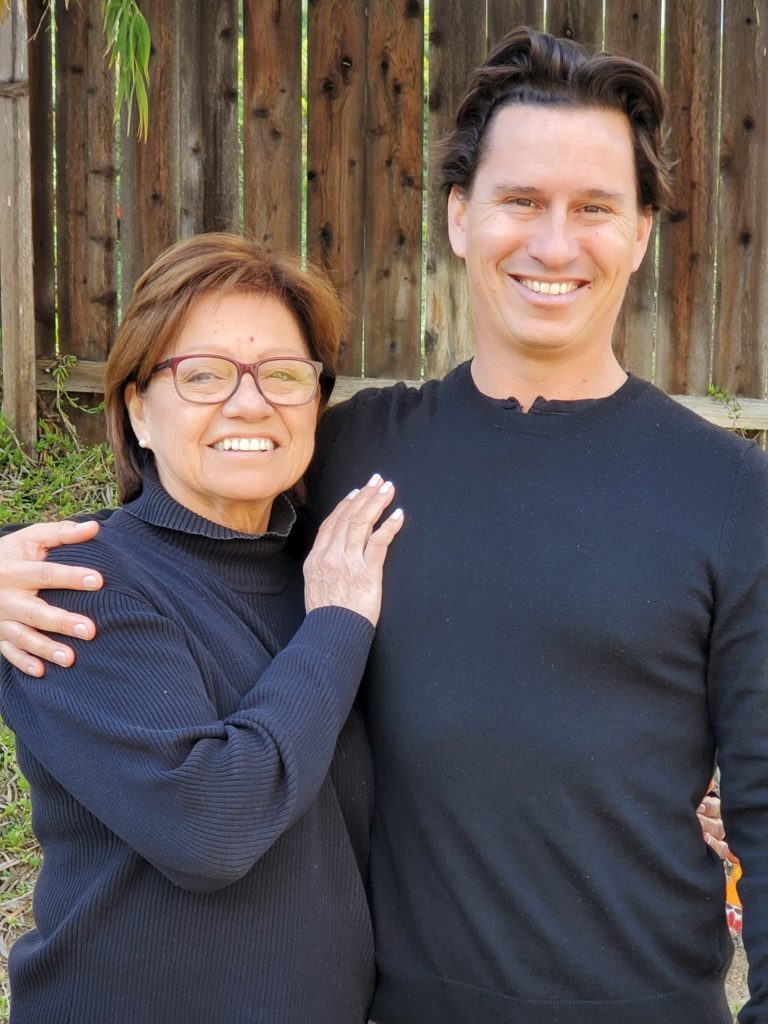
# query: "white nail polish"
[[397, 514], [353, 494], [385, 487], [60, 657], [81, 629], [375, 479]]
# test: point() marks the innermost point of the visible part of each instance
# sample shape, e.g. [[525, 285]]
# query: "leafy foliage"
[[128, 50], [129, 45]]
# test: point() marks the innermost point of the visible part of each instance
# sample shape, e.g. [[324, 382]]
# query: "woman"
[[200, 862]]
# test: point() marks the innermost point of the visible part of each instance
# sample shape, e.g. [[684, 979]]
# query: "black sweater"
[[575, 620], [199, 863]]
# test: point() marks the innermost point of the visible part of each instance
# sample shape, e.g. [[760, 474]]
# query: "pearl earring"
[[143, 442]]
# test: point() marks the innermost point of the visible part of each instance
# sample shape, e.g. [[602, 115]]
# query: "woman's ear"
[[134, 403]]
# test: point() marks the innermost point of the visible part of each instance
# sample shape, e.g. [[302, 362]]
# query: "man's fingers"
[[24, 612], [718, 845], [21, 660], [710, 825], [51, 576], [69, 532], [37, 645]]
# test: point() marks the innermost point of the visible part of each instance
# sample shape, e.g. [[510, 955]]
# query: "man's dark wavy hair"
[[531, 67]]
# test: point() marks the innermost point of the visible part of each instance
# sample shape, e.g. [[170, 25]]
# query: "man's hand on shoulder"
[[23, 572]]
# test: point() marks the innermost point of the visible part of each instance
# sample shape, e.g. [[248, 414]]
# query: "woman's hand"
[[345, 565], [24, 571]]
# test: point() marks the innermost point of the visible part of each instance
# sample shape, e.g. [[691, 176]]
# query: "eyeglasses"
[[207, 379]]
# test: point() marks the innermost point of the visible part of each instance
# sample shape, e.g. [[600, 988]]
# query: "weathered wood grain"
[[633, 29], [41, 144], [394, 189], [85, 190], [504, 15], [150, 187], [336, 156], [272, 122], [688, 231], [17, 301], [741, 322], [576, 19], [207, 113], [457, 45]]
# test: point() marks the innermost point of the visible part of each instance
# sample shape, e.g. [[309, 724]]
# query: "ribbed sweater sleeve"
[[131, 733]]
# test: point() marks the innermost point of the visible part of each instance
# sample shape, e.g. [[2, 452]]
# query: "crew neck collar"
[[545, 416]]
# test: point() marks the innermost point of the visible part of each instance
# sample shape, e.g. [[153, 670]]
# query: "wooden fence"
[[231, 144]]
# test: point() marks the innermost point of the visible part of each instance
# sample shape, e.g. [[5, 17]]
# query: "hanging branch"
[[128, 46]]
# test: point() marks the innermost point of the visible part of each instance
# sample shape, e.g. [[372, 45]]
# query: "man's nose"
[[553, 241]]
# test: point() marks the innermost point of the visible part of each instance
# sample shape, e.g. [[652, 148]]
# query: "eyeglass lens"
[[210, 379]]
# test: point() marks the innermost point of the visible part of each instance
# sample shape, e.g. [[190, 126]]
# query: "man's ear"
[[134, 403], [644, 229], [457, 231]]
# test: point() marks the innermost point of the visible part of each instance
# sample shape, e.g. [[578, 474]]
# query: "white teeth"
[[244, 444], [549, 287]]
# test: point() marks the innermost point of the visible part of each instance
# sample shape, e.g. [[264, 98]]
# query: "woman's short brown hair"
[[196, 266], [533, 68]]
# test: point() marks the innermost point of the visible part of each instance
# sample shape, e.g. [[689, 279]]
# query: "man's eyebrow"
[[604, 194], [594, 194]]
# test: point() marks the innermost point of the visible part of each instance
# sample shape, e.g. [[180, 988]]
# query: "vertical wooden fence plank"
[[272, 122], [457, 44], [336, 156], [85, 192], [150, 193], [633, 29], [688, 231], [207, 106], [504, 15], [741, 331], [41, 141], [581, 20], [16, 289], [394, 192]]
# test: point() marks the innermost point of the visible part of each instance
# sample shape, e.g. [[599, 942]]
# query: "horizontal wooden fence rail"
[[319, 129], [741, 413]]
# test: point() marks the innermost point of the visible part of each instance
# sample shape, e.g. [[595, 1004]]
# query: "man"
[[575, 614]]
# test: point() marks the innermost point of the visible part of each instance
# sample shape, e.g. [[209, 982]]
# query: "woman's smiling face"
[[231, 486]]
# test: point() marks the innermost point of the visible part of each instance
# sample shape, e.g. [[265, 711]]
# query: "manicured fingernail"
[[374, 481], [81, 629], [397, 514], [90, 581], [701, 808], [59, 656], [33, 670], [385, 487], [353, 494]]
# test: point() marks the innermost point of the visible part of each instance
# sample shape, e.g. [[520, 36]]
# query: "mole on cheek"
[[251, 339]]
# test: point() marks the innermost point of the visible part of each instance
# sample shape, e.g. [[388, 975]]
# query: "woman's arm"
[[131, 731]]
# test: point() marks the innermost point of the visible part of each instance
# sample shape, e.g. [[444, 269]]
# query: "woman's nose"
[[247, 398]]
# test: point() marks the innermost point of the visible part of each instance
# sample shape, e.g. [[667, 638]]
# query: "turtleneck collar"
[[247, 561]]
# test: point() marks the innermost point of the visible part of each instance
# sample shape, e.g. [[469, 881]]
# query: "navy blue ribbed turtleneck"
[[199, 863]]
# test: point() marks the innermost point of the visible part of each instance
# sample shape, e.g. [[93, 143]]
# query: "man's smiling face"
[[551, 229]]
